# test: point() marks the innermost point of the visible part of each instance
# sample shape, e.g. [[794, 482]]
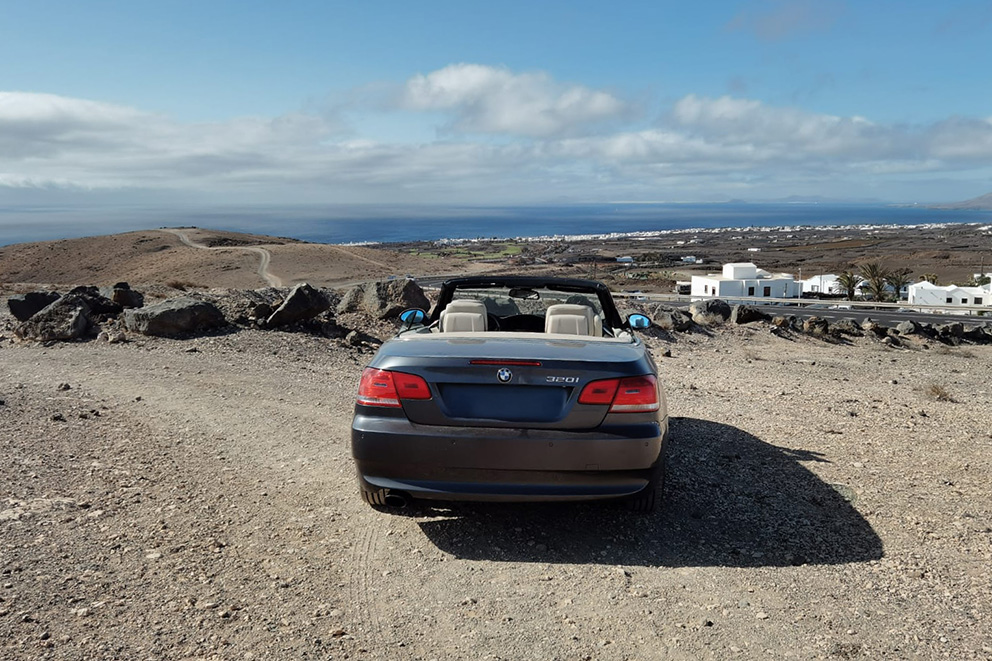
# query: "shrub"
[[939, 393]]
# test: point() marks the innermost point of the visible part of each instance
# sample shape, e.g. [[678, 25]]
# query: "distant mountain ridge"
[[981, 203]]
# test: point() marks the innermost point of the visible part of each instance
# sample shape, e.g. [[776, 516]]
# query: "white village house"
[[744, 279], [925, 293], [822, 284], [827, 284]]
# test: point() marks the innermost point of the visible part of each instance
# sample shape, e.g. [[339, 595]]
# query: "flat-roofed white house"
[[827, 284], [925, 293], [822, 284], [742, 280]]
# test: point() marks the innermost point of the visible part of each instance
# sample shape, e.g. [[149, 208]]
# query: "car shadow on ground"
[[730, 500]]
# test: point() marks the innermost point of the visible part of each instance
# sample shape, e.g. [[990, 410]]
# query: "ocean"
[[388, 224]]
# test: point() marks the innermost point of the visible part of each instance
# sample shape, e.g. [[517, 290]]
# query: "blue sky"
[[493, 103]]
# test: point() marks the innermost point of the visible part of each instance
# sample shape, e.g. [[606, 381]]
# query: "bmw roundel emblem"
[[504, 375]]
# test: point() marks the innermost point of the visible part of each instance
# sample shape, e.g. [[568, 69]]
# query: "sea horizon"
[[384, 224]]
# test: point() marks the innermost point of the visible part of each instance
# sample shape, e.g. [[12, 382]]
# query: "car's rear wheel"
[[376, 499], [647, 500], [644, 502]]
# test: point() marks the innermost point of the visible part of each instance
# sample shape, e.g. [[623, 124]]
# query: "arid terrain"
[[952, 253], [195, 499], [156, 257]]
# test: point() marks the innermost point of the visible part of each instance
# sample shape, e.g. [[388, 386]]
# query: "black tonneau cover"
[[611, 317]]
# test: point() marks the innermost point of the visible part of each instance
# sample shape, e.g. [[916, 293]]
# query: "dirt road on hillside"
[[265, 257], [196, 499]]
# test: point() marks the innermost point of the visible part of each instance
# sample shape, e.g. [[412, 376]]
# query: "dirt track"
[[815, 509], [265, 257]]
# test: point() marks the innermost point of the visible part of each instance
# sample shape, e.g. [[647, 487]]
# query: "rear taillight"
[[599, 392], [384, 388], [633, 394], [410, 386], [636, 393]]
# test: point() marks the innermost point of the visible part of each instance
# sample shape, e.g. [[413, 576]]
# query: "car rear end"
[[508, 418]]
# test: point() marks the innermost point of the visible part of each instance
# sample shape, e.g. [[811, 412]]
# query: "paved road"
[[884, 317], [264, 255]]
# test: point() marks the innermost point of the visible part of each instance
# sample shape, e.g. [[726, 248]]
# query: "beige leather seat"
[[571, 319], [463, 316]]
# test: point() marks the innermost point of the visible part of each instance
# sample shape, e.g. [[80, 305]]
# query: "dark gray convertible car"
[[512, 389]]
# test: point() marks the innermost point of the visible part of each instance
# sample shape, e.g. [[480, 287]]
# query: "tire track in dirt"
[[365, 622], [364, 259]]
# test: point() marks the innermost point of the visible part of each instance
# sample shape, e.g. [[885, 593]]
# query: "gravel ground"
[[196, 499]]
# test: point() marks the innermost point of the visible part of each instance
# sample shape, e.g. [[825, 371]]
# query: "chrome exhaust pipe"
[[396, 498]]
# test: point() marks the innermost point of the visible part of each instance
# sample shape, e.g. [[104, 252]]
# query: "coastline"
[[390, 225], [652, 234]]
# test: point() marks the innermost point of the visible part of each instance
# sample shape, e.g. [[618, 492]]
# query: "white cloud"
[[963, 139], [796, 135], [744, 121], [493, 100], [703, 147]]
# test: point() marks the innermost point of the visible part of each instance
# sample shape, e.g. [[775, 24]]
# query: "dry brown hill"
[[232, 260], [980, 203]]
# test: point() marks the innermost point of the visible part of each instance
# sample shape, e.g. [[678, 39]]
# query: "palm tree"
[[876, 277], [898, 280], [929, 277], [849, 281]]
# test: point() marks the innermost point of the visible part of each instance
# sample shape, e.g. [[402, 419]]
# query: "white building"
[[742, 280], [822, 284], [924, 293]]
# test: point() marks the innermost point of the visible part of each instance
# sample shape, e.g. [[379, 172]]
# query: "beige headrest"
[[463, 316], [572, 319]]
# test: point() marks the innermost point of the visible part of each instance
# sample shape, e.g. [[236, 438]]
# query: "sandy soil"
[[196, 499], [158, 257], [952, 253]]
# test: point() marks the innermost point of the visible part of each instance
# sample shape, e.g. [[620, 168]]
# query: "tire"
[[644, 502], [376, 499], [648, 499]]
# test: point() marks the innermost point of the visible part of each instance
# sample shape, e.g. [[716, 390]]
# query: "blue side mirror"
[[413, 316], [639, 321]]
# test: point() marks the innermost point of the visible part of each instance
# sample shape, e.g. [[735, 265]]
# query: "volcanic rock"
[[384, 299], [710, 312], [745, 314], [68, 318], [95, 301], [174, 317], [122, 294], [668, 317], [24, 306], [816, 326], [303, 302]]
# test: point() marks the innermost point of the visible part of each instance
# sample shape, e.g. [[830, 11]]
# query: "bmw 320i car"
[[512, 389]]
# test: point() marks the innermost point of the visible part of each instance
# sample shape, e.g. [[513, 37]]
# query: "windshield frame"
[[590, 288]]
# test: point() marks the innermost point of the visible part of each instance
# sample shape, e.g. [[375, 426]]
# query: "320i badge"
[[512, 389]]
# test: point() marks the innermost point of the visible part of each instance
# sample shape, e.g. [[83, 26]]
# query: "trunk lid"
[[511, 379]]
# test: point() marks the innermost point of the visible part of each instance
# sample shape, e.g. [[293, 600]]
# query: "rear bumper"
[[496, 464]]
